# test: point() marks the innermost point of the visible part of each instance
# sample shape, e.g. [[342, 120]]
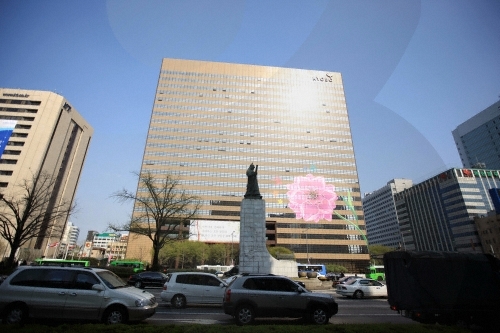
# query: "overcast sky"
[[412, 71]]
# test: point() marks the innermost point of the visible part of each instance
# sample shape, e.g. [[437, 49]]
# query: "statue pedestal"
[[254, 257]]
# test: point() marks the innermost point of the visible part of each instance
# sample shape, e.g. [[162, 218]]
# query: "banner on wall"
[[214, 231], [6, 129]]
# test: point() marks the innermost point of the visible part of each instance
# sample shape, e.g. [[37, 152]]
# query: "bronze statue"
[[252, 185]]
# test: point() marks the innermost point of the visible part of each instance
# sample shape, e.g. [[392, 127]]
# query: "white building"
[[69, 239], [41, 132], [380, 214]]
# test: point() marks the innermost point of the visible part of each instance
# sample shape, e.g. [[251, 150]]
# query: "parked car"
[[72, 293], [258, 295], [183, 288], [147, 279], [333, 276], [360, 287]]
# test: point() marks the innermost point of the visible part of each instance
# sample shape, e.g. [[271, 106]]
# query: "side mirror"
[[98, 287]]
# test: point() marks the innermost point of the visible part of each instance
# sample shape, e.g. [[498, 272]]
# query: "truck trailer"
[[444, 287]]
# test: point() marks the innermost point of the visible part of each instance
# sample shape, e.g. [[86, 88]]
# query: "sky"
[[412, 71]]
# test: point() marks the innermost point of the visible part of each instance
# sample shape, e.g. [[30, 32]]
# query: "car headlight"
[[143, 302]]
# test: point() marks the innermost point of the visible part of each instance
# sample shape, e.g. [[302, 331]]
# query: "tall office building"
[[42, 132], [438, 213], [69, 239], [382, 224], [211, 120], [478, 139]]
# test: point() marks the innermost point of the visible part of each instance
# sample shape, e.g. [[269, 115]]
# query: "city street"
[[351, 311]]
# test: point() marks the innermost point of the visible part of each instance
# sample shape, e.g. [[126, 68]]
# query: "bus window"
[[319, 268]]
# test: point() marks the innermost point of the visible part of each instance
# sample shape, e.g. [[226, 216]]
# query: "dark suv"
[[256, 295]]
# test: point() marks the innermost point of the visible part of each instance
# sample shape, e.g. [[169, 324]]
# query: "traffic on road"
[[351, 311]]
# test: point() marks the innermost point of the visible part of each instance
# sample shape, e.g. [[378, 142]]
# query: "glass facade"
[[478, 139], [211, 120], [438, 214]]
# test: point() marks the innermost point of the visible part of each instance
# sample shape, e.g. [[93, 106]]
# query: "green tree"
[[162, 211], [218, 254], [377, 252], [200, 253], [280, 252], [336, 268], [30, 211]]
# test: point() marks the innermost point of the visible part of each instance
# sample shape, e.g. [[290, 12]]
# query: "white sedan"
[[359, 288]]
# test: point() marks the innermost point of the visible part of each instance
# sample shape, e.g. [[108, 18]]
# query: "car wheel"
[[115, 315], [178, 301], [380, 278], [16, 314], [138, 284], [319, 316], [244, 315], [358, 294]]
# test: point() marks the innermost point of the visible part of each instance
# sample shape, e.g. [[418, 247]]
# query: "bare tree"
[[162, 211], [31, 210]]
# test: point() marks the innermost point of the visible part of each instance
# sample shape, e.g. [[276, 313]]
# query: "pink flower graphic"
[[311, 199]]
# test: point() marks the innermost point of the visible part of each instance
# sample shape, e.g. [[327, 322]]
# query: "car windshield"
[[111, 280]]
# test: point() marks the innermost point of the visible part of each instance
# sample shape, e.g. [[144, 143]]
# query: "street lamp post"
[[307, 245], [232, 242]]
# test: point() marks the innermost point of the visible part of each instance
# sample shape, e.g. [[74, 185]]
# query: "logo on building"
[[67, 107], [16, 95], [327, 78]]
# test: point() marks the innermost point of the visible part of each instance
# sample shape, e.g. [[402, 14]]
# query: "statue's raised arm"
[[252, 185]]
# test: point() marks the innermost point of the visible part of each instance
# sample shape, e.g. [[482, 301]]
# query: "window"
[[28, 277], [58, 278], [85, 281]]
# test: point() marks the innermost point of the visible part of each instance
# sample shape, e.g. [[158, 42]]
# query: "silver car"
[[184, 288], [251, 296], [72, 293], [360, 288]]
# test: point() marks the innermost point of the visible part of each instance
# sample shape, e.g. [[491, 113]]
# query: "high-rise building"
[[382, 224], [438, 213], [69, 239], [488, 228], [42, 132], [211, 120], [478, 139]]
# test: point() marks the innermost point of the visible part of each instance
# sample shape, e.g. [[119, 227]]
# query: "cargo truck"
[[444, 287]]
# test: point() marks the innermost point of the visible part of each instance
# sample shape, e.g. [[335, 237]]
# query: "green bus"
[[62, 262], [376, 272], [136, 265]]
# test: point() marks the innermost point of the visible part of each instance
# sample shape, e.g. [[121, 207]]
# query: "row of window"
[[19, 118], [288, 80], [19, 101], [19, 110], [237, 121], [263, 94], [263, 132], [239, 102], [287, 138]]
